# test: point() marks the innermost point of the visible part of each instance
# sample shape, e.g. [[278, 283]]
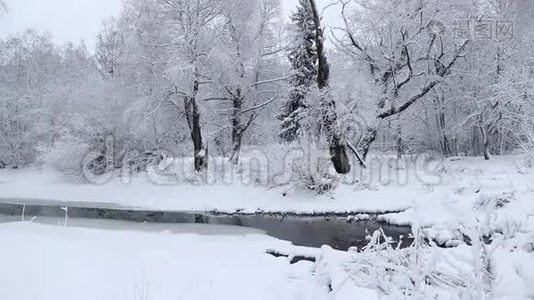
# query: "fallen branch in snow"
[[292, 257]]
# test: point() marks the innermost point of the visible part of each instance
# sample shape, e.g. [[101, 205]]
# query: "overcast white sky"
[[68, 20]]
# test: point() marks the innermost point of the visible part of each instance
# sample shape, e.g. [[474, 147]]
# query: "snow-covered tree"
[[27, 63], [180, 73], [189, 26], [246, 64], [327, 109], [109, 45], [405, 48], [303, 59]]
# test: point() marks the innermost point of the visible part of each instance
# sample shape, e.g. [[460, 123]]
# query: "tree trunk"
[[339, 157], [338, 149], [441, 123], [237, 128], [400, 150], [200, 152], [192, 114], [475, 143], [486, 143], [236, 147]]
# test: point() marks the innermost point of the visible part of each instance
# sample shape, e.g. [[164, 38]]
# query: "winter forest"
[[191, 76], [405, 119]]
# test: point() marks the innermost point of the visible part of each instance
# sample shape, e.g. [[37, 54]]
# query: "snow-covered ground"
[[484, 210], [450, 191], [142, 193], [56, 262]]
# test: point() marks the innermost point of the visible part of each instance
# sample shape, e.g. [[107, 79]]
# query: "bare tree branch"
[[271, 80], [259, 106]]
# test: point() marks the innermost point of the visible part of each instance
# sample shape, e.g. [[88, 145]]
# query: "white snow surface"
[[473, 198], [56, 262], [141, 193], [60, 262]]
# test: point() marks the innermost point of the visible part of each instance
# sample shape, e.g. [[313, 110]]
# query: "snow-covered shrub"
[[66, 156], [280, 159], [482, 256], [20, 131], [491, 202], [302, 165], [296, 166], [82, 156], [484, 267], [394, 271], [419, 271]]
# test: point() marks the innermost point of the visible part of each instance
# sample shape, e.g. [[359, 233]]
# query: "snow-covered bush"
[[420, 271], [491, 202], [66, 156], [396, 272], [301, 165]]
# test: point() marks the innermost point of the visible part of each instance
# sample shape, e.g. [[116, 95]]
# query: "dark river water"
[[312, 231]]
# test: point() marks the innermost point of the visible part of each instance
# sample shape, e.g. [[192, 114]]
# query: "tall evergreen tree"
[[303, 59]]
